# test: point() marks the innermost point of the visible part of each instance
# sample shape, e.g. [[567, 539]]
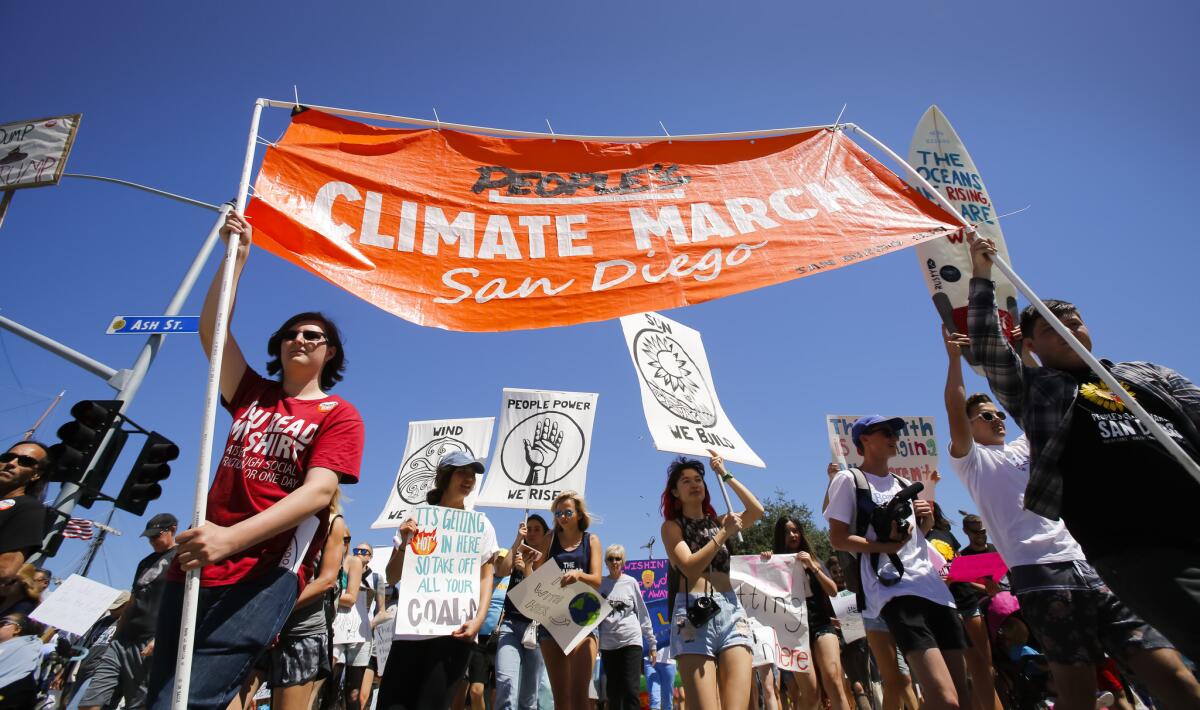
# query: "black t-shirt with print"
[[22, 524], [1121, 489], [146, 595]]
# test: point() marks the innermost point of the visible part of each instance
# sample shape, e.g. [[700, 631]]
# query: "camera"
[[701, 610], [895, 511]]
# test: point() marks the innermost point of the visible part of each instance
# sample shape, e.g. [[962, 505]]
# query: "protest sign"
[[845, 607], [348, 627], [34, 153], [938, 154], [773, 591], [977, 568], [439, 585], [766, 643], [382, 637], [679, 397], [77, 604], [483, 233], [569, 613], [428, 442], [916, 456], [652, 581], [542, 448]]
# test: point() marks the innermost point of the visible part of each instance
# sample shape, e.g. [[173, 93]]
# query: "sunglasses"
[[615, 559], [886, 431], [568, 513], [21, 459], [311, 336], [362, 553], [980, 531], [989, 416]]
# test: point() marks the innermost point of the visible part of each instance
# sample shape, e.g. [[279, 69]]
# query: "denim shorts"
[[727, 629], [874, 623], [543, 634]]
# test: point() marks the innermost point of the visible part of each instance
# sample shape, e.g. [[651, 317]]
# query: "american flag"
[[79, 529]]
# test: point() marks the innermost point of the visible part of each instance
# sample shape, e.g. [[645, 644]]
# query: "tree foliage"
[[761, 536]]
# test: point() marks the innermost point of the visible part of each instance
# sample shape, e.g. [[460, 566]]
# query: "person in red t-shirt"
[[288, 448]]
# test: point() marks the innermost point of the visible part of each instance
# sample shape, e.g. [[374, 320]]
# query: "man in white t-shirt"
[[910, 596], [1064, 602]]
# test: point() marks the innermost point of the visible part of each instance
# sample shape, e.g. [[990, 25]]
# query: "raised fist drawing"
[[540, 455]]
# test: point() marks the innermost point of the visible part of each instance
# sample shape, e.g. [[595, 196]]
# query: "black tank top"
[[698, 532], [577, 559]]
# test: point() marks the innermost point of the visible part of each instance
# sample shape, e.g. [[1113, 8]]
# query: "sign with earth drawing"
[[428, 442], [569, 613], [542, 446], [679, 398]]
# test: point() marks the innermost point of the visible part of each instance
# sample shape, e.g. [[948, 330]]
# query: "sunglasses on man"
[[21, 459], [311, 336], [990, 416]]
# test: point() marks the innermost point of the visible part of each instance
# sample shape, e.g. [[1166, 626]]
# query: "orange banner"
[[477, 233]]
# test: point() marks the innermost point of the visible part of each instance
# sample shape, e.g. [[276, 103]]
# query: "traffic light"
[[103, 465], [81, 438], [151, 467]]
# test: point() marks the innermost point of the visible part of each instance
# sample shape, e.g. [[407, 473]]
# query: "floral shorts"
[[1077, 626]]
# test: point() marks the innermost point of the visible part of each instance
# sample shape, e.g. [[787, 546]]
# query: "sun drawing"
[[1099, 394], [663, 358]]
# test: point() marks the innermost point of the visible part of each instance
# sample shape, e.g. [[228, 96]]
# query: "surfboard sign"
[[938, 154]]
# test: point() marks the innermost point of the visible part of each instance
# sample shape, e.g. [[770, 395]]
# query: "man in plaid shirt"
[[1094, 463]]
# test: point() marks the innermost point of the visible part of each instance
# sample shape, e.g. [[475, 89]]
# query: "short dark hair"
[[441, 481], [972, 518], [1030, 316], [37, 485], [975, 400], [331, 374], [535, 518]]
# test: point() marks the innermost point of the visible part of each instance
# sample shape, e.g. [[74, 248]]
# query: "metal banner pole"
[[1107, 377], [187, 625], [728, 504]]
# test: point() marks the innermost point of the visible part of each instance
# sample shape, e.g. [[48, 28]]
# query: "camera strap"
[[894, 557]]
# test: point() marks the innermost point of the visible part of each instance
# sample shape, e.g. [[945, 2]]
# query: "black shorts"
[[917, 624], [479, 665]]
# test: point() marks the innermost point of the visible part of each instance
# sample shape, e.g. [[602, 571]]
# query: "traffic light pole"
[[126, 382]]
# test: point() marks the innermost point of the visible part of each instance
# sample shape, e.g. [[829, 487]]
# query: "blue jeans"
[[660, 684], [234, 624], [518, 669]]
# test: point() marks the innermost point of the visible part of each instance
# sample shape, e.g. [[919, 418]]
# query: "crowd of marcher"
[[1097, 608]]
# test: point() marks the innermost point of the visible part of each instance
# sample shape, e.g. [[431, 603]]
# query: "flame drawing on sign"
[[424, 543]]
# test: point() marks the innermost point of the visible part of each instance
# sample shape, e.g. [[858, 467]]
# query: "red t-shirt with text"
[[274, 441]]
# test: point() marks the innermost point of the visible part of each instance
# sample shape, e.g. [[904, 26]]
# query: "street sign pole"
[[127, 382]]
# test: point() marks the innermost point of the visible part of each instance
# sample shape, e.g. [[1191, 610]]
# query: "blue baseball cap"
[[455, 459], [864, 423]]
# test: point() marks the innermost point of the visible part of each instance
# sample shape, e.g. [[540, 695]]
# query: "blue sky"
[[1082, 111]]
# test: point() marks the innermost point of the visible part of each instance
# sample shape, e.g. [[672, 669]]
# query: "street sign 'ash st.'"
[[148, 325]]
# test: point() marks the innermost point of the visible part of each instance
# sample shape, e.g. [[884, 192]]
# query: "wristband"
[[727, 477]]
